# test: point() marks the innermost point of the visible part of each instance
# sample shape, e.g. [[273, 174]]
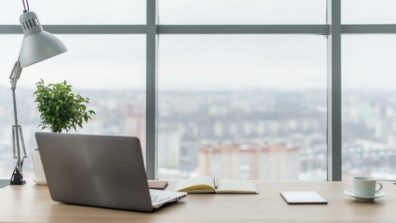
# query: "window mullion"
[[151, 89], [334, 135]]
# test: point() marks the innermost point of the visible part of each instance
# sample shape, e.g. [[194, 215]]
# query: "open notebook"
[[212, 185]]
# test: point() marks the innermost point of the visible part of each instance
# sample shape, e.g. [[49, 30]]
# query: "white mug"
[[365, 186]]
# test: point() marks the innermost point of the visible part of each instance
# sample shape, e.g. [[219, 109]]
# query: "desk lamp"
[[37, 45]]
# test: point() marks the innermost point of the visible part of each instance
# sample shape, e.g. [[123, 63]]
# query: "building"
[[235, 161]]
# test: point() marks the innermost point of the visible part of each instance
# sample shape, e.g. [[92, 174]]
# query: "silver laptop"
[[102, 171]]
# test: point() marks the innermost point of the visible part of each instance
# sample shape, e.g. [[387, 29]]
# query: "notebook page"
[[196, 182], [237, 186]]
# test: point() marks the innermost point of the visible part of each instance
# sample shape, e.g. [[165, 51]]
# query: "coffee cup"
[[366, 186]]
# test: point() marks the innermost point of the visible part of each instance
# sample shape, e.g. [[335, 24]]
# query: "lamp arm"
[[17, 177], [15, 74]]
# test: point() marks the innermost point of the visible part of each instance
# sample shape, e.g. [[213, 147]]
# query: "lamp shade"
[[37, 44]]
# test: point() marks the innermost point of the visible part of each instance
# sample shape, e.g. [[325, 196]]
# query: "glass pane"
[[108, 69], [248, 107], [78, 12], [242, 12], [368, 11], [369, 106]]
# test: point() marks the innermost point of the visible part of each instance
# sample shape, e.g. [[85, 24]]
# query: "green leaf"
[[60, 108]]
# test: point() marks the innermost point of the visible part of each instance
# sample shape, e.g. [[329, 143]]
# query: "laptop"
[[100, 171]]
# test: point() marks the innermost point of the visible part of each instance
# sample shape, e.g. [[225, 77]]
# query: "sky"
[[200, 11], [206, 62]]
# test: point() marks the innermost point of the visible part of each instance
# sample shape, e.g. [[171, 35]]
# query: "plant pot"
[[38, 168]]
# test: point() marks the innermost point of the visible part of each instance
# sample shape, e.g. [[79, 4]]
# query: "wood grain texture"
[[32, 203]]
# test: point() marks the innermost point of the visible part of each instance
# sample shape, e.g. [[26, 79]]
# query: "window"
[[369, 106], [242, 12], [233, 101], [109, 69], [250, 107]]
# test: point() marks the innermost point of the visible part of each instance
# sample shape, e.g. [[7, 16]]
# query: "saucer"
[[363, 198]]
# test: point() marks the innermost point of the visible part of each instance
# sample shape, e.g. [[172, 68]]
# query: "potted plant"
[[60, 110]]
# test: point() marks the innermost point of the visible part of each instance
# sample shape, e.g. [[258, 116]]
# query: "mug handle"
[[380, 187]]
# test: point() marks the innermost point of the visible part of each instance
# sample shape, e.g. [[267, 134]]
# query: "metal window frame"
[[151, 89], [318, 29], [334, 127], [333, 30]]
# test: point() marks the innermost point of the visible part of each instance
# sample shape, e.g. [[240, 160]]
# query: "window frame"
[[333, 31]]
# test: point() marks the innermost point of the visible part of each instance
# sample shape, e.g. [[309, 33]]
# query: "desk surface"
[[31, 203]]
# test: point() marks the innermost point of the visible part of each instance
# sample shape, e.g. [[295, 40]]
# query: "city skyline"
[[190, 120]]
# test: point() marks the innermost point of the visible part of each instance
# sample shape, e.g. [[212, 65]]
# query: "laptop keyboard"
[[155, 197]]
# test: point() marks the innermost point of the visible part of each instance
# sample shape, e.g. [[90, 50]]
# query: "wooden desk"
[[31, 203]]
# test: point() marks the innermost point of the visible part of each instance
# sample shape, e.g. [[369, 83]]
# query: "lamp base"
[[17, 178]]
